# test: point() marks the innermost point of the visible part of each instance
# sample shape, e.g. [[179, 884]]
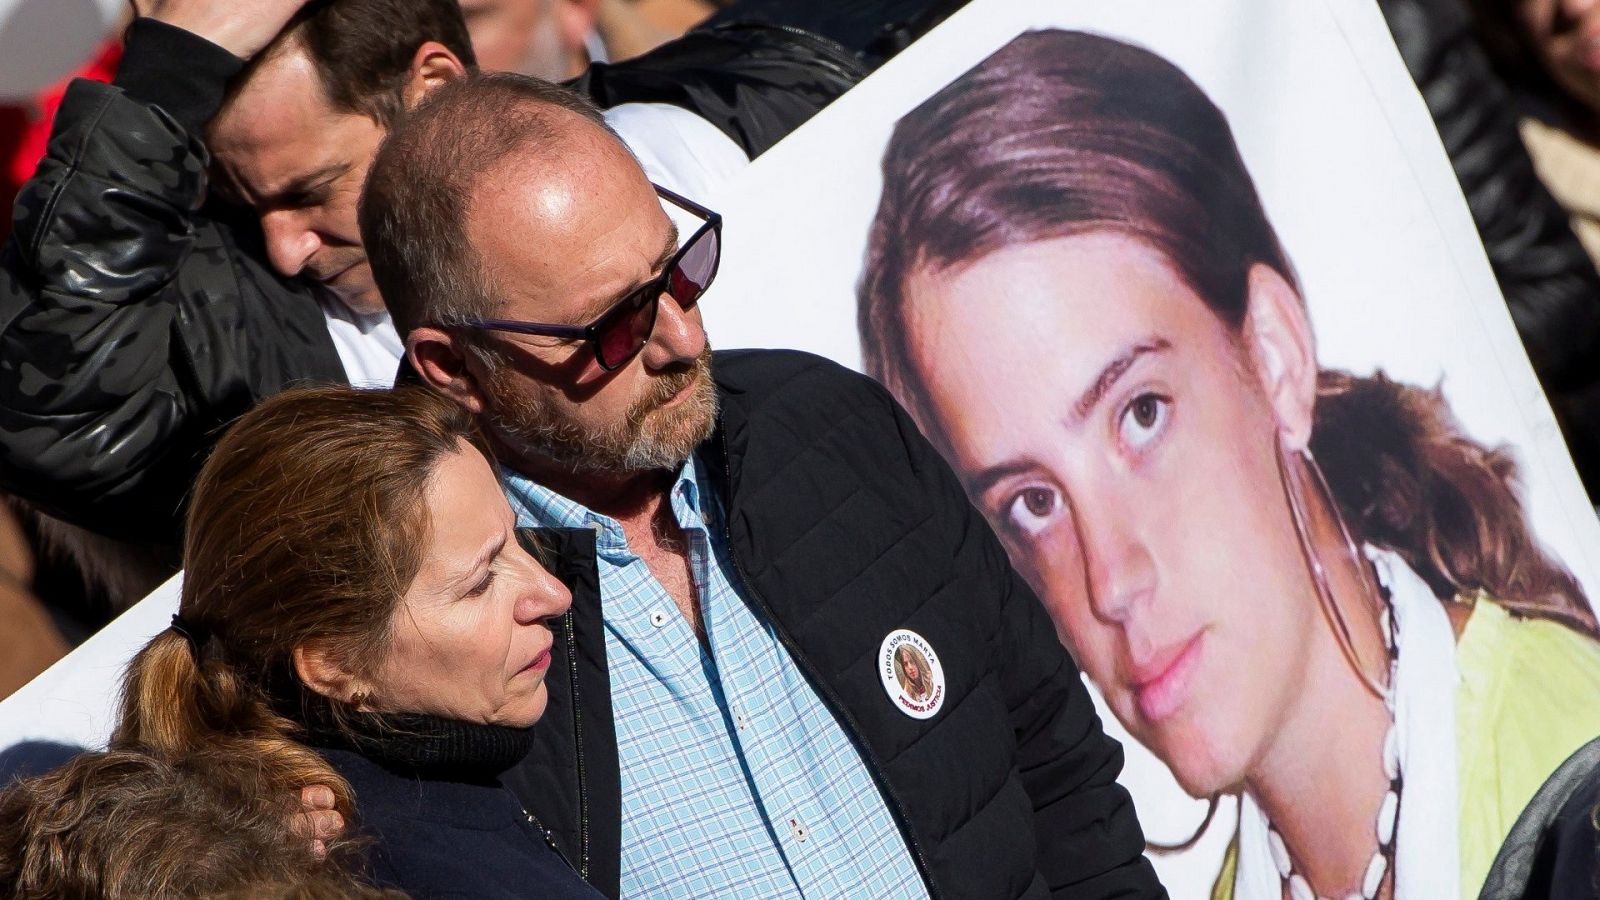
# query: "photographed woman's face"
[[1117, 436], [471, 641], [909, 664]]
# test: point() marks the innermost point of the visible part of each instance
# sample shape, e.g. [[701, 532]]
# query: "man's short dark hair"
[[363, 48], [414, 207]]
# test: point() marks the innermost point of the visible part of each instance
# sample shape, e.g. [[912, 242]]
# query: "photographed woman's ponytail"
[[306, 527], [1406, 478]]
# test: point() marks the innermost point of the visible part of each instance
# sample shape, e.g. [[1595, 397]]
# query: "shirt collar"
[[539, 507]]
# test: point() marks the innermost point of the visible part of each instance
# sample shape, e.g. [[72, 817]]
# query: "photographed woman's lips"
[[1167, 686]]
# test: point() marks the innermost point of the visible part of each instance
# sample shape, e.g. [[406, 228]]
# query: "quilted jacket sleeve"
[[95, 420], [1090, 842]]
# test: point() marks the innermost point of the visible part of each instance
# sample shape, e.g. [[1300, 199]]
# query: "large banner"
[[1188, 296]]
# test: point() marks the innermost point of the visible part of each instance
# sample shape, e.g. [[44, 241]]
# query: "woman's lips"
[[1166, 688], [539, 664]]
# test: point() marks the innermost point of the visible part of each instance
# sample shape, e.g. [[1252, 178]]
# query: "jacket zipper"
[[549, 839], [853, 730], [577, 731]]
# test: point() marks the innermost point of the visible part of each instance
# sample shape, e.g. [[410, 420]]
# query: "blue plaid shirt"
[[736, 779]]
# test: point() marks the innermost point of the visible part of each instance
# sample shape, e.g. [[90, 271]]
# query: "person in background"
[[227, 265], [1550, 284], [558, 39], [30, 641], [127, 825], [759, 532], [1543, 49], [25, 130], [360, 613]]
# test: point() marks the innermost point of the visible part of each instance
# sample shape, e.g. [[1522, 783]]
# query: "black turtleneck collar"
[[428, 746]]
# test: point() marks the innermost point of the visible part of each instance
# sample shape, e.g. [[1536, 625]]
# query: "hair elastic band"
[[196, 635]]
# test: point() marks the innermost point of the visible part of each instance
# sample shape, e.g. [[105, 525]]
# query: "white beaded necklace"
[[1388, 812]]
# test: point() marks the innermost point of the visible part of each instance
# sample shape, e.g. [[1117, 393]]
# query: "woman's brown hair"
[[306, 527], [1063, 133]]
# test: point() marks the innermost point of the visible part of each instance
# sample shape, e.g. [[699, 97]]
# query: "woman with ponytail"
[[359, 613], [1301, 586]]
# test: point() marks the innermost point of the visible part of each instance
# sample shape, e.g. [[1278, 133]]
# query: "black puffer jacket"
[[137, 319], [1548, 281], [844, 525]]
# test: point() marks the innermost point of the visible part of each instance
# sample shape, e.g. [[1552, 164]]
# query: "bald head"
[[560, 235], [436, 187]]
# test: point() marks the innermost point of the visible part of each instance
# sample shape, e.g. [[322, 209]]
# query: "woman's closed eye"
[[483, 584]]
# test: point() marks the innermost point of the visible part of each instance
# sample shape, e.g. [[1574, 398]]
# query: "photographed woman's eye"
[[1031, 509], [1143, 419]]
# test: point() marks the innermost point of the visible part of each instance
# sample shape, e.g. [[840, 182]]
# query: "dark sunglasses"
[[623, 330]]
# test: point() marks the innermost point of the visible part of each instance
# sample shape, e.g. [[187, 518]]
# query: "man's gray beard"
[[641, 443]]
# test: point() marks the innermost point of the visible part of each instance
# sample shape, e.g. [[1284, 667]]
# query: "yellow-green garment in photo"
[[1528, 697]]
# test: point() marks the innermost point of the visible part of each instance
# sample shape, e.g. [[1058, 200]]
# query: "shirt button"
[[599, 528], [800, 832], [740, 719], [658, 618]]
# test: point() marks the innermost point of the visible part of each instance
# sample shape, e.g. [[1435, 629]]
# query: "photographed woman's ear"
[[1278, 335], [319, 671]]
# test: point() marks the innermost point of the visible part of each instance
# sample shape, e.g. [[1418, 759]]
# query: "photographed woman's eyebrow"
[[1113, 371], [985, 480]]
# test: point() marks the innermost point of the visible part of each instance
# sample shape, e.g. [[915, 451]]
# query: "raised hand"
[[241, 27]]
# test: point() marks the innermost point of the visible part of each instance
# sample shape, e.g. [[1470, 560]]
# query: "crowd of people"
[[379, 319]]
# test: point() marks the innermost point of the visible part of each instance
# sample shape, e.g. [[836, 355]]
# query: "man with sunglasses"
[[189, 246], [749, 539]]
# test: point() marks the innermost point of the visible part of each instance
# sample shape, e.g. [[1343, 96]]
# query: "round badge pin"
[[912, 675]]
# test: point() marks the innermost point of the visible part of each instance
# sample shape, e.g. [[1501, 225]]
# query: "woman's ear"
[[317, 670], [1281, 347]]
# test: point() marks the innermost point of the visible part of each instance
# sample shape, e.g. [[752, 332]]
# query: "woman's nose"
[[544, 597]]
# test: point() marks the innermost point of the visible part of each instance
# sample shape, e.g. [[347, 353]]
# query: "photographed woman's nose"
[[1118, 565]]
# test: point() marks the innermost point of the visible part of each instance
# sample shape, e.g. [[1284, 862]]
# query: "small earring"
[[359, 698]]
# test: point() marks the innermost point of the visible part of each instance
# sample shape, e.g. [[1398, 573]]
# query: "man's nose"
[[290, 244], [678, 337]]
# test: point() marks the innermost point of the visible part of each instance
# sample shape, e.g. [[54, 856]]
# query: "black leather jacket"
[[1548, 281], [137, 319]]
